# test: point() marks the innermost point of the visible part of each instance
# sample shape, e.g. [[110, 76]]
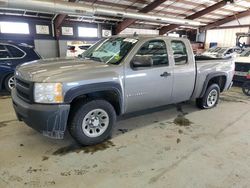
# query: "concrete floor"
[[148, 150]]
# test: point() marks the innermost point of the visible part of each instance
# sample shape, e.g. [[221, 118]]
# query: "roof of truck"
[[142, 37]]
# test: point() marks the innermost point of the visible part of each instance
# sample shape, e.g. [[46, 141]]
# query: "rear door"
[[184, 70], [17, 55], [147, 87], [5, 56]]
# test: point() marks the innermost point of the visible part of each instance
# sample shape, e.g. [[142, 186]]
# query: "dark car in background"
[[12, 55]]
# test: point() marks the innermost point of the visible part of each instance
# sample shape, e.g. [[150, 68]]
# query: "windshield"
[[111, 50]]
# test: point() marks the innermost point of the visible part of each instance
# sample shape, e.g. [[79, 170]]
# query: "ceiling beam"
[[127, 22], [59, 20], [203, 12], [226, 20]]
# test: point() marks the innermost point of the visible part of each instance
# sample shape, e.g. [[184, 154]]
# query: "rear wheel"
[[246, 88], [9, 82], [92, 122], [210, 98]]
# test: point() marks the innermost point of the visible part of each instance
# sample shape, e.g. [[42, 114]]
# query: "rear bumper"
[[50, 120]]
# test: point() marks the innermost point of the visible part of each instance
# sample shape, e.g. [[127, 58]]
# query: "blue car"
[[12, 55]]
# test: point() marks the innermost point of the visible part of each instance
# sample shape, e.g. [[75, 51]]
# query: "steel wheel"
[[246, 88], [11, 82], [95, 123], [212, 98]]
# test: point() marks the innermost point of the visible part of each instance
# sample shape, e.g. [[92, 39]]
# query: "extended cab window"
[[4, 53], [155, 50], [15, 52], [180, 52]]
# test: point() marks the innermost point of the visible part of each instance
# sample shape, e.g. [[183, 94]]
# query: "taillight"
[[248, 75], [73, 51]]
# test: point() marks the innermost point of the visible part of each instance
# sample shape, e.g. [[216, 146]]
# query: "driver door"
[[149, 86]]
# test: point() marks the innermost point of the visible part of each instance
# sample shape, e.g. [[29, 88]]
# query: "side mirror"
[[142, 61]]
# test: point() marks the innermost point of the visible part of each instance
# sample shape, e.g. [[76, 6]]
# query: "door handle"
[[165, 74]]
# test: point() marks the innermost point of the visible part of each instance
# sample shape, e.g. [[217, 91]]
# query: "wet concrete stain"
[[5, 97], [21, 145], [180, 131], [181, 120], [45, 158], [5, 123], [66, 173], [49, 183], [76, 148], [123, 130], [31, 170], [178, 140], [76, 172]]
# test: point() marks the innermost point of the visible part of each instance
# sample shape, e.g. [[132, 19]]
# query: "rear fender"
[[208, 78]]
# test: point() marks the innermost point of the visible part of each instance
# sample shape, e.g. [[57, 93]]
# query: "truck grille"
[[24, 90]]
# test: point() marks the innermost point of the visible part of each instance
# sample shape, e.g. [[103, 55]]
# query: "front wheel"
[[92, 122], [9, 83], [246, 88], [210, 98]]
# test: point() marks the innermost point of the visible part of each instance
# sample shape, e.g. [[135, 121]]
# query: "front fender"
[[75, 92]]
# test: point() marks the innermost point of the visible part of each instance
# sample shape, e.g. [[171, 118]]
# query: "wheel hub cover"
[[95, 122]]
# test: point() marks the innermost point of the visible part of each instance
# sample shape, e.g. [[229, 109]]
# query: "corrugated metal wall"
[[224, 37]]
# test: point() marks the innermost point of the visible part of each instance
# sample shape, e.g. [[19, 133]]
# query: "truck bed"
[[207, 66]]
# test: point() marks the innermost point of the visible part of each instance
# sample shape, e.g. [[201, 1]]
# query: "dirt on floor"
[[175, 146]]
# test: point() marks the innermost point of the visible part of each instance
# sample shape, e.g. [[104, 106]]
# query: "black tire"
[[6, 82], [202, 103], [246, 88], [81, 112]]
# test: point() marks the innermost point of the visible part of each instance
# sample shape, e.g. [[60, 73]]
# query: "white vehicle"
[[242, 66], [76, 49], [222, 52]]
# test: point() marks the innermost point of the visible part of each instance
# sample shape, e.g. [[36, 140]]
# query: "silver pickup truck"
[[117, 75]]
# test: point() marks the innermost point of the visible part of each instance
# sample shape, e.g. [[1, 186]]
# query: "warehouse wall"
[[46, 44], [241, 21], [46, 48], [224, 37], [62, 48]]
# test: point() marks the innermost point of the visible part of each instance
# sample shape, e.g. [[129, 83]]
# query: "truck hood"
[[60, 70]]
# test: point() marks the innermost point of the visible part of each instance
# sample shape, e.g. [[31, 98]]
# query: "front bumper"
[[50, 120]]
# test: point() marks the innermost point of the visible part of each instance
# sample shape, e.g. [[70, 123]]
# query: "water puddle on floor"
[[181, 120], [76, 148], [5, 123]]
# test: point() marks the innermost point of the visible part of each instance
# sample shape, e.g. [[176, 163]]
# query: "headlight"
[[48, 93]]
